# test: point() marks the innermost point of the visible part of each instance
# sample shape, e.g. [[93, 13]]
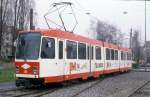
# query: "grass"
[[6, 71], [6, 75]]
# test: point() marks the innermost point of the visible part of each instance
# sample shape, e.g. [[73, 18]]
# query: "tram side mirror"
[[15, 43]]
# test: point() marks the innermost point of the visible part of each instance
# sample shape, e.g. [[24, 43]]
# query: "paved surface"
[[116, 86], [8, 85]]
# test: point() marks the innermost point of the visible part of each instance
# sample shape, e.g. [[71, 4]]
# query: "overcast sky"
[[111, 11]]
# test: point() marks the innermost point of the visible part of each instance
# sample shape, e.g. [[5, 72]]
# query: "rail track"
[[22, 92], [94, 84], [76, 94], [39, 92], [11, 89], [138, 89]]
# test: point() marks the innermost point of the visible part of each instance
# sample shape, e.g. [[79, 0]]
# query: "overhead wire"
[[80, 9]]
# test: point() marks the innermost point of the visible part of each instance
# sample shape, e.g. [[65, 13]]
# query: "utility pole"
[[145, 39], [131, 38], [31, 19]]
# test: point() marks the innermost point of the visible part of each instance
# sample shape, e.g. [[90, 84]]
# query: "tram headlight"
[[17, 69], [34, 71]]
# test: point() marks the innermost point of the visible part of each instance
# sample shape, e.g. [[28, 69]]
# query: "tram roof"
[[74, 37]]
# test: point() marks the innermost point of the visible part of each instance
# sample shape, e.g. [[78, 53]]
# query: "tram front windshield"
[[28, 46]]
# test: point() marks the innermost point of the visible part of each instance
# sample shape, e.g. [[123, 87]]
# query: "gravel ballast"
[[116, 86]]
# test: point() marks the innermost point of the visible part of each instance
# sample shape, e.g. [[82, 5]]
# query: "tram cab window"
[[116, 54], [81, 51], [112, 54], [98, 53], [28, 46], [107, 54], [48, 48], [71, 50], [60, 49]]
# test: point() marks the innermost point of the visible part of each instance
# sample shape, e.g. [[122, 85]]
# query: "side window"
[[116, 54], [48, 48], [125, 55], [71, 50], [91, 52], [60, 49], [107, 54], [88, 52], [130, 56], [122, 55], [81, 51], [98, 53], [112, 54]]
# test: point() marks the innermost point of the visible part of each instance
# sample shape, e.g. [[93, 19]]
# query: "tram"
[[54, 56]]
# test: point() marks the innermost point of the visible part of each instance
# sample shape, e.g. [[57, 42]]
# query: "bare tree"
[[16, 14], [105, 32], [22, 17], [3, 12], [136, 46]]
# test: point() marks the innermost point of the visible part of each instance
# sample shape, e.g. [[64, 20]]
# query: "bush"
[[135, 65]]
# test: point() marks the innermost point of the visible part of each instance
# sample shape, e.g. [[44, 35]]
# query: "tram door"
[[91, 59], [125, 60], [50, 65], [88, 57], [61, 56], [122, 61], [70, 65]]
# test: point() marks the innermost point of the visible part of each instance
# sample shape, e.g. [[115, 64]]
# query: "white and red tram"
[[49, 56]]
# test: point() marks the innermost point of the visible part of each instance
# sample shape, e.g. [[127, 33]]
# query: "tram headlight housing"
[[34, 71], [17, 69]]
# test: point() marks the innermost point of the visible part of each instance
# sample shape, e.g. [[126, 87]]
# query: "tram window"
[[125, 56], [60, 49], [107, 54], [122, 56], [98, 53], [116, 55], [81, 51], [88, 50], [48, 48], [71, 50], [91, 52], [130, 56], [112, 54]]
